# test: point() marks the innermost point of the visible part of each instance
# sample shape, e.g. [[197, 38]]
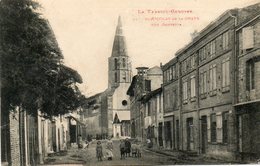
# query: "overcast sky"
[[85, 31]]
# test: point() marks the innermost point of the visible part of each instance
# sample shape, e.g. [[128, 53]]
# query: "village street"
[[87, 157]]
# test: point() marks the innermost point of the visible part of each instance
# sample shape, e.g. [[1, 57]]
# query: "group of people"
[[125, 149]]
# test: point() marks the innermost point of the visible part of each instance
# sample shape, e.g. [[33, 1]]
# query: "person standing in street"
[[109, 148], [122, 149], [127, 147], [99, 152], [80, 145]]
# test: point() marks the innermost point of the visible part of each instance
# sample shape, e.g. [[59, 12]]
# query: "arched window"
[[115, 64]]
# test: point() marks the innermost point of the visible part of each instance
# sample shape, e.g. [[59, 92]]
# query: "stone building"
[[203, 73], [248, 87], [170, 89], [143, 83], [92, 117], [153, 116]]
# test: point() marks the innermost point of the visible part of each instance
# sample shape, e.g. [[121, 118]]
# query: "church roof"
[[119, 45]]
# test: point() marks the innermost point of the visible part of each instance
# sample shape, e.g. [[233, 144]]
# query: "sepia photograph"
[[129, 82]]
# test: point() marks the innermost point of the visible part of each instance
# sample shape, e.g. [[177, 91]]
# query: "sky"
[[154, 31]]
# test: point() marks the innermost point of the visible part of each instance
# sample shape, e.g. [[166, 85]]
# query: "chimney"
[[142, 71]]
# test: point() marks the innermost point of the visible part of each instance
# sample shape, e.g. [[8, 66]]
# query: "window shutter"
[[247, 38], [248, 76], [253, 75], [208, 127], [219, 127]]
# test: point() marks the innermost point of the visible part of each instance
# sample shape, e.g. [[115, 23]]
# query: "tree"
[[32, 72]]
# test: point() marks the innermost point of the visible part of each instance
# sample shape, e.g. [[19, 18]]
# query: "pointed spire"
[[119, 22], [119, 31], [119, 45]]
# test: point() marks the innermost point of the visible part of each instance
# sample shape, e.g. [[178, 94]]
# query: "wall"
[[14, 139], [244, 56]]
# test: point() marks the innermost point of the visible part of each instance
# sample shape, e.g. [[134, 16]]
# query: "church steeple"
[[119, 46], [119, 63]]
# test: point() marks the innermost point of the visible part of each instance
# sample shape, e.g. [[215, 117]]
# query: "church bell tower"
[[119, 80], [119, 67]]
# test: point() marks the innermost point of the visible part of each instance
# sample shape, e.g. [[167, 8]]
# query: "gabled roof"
[[116, 119]]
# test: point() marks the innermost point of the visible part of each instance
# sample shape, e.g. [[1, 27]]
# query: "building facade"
[[171, 104], [92, 117], [153, 117], [248, 90], [204, 116], [146, 81]]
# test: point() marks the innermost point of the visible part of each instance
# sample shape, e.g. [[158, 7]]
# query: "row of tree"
[[33, 75]]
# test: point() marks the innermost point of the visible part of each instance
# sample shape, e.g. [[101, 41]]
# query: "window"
[[173, 72], [124, 102], [185, 90], [208, 47], [193, 86], [213, 47], [192, 61], [202, 53], [250, 75], [148, 85], [164, 77], [167, 99], [124, 62], [115, 64], [213, 127], [190, 129], [203, 81], [225, 40], [187, 63], [219, 44], [184, 65], [174, 98], [115, 77], [247, 38], [168, 75], [170, 71], [212, 78], [225, 127], [225, 73]]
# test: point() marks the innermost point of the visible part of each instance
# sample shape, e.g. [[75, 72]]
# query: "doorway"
[[190, 134], [204, 134]]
